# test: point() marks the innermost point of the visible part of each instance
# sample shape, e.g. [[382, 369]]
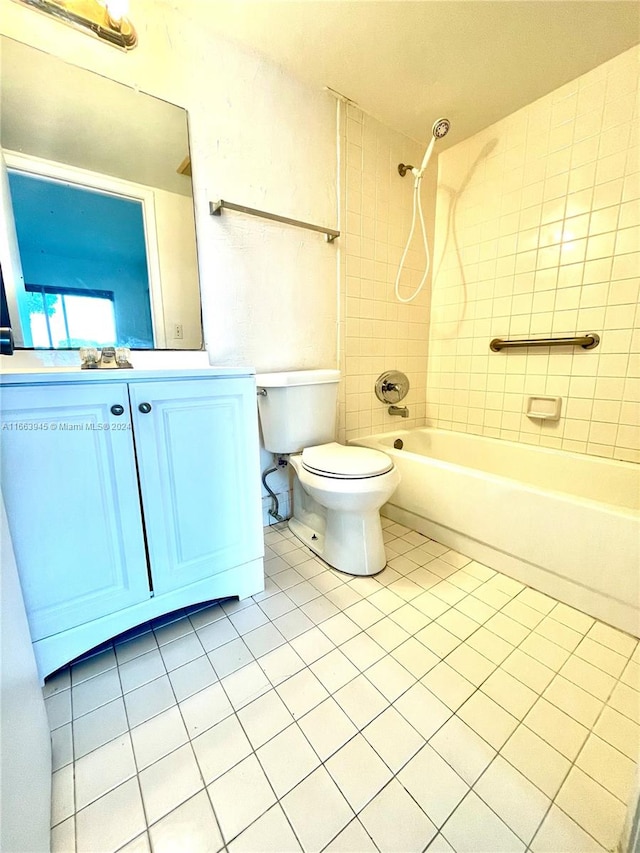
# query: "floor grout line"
[[387, 654]]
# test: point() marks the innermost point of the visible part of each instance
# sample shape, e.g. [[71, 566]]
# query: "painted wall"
[[537, 234], [378, 333]]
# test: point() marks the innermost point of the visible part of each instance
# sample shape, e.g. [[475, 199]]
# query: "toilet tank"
[[299, 408]]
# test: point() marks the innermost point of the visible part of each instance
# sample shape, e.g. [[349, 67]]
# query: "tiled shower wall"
[[378, 333], [537, 234]]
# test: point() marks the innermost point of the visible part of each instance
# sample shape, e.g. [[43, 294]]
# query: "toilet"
[[337, 490]]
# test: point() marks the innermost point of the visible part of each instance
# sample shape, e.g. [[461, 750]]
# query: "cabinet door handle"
[[117, 410], [145, 408]]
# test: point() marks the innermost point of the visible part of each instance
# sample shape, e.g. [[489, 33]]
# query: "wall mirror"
[[99, 247]]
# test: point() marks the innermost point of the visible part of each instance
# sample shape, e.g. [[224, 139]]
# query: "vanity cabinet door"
[[196, 449], [71, 493]]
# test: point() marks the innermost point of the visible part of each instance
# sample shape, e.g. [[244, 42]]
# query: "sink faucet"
[[403, 411]]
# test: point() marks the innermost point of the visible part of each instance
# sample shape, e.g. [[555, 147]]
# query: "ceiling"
[[408, 62]]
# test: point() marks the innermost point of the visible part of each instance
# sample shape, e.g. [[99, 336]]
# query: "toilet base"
[[350, 542]]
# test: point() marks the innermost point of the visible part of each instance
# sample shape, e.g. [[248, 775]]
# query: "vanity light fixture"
[[105, 19]]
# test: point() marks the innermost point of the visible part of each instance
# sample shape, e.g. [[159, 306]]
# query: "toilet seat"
[[345, 463]]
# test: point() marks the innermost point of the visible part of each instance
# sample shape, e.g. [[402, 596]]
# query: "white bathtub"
[[566, 524]]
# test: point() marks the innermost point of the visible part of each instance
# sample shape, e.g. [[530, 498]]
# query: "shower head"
[[440, 128]]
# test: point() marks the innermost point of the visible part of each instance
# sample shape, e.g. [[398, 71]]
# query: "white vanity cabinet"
[[127, 499]]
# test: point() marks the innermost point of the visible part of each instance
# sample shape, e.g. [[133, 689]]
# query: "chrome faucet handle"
[[391, 387]]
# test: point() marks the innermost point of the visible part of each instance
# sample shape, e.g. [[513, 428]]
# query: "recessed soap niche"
[[544, 408]]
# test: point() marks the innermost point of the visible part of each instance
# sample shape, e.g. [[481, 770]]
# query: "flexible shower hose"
[[417, 204]]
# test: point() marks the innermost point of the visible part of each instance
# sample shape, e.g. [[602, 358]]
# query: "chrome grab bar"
[[216, 207], [588, 341]]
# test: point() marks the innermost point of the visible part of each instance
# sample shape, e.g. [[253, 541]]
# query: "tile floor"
[[439, 706]]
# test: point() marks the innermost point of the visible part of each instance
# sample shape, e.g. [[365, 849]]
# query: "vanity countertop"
[[56, 375]]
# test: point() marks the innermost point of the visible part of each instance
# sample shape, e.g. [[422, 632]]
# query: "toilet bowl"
[[337, 496], [337, 491]]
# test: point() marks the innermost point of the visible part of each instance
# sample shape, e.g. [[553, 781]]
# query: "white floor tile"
[[99, 727], [362, 651], [281, 664], [150, 699], [301, 693], [192, 826], [393, 738], [169, 782], [240, 796], [415, 658], [263, 640], [317, 810], [588, 677], [181, 651], [609, 767], [557, 728], [395, 822], [340, 628], [63, 836], [528, 670], [467, 753], [613, 639], [327, 728], [488, 719], [390, 678], [457, 623], [192, 677], [626, 700], [602, 657], [230, 657], [159, 736], [245, 685], [334, 670], [474, 828], [423, 710], [470, 664], [448, 685], [353, 839], [559, 832], [62, 794], [619, 731], [91, 666], [97, 691], [271, 833], [103, 769], [387, 634], [312, 645], [592, 807], [489, 645], [206, 708], [513, 798], [358, 772], [361, 701], [264, 718], [537, 760], [58, 707], [362, 692], [96, 828], [287, 759], [573, 700], [221, 748], [433, 784], [514, 696]]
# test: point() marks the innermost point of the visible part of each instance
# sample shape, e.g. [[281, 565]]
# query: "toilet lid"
[[336, 460]]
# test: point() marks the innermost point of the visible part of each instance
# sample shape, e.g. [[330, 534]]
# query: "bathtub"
[[564, 523]]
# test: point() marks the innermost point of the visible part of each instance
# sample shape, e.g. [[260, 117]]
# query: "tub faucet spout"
[[403, 411]]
